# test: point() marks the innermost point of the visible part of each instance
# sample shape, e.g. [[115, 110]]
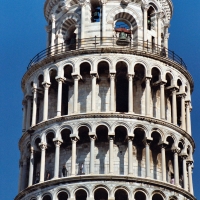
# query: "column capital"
[[60, 79], [145, 6], [76, 76], [24, 102], [163, 145], [183, 156], [189, 162], [43, 145], [53, 18], [57, 141], [94, 75], [46, 84], [130, 76], [32, 150], [173, 89], [28, 97], [175, 150], [130, 137], [103, 2], [82, 2], [160, 15], [181, 95], [148, 78], [34, 89], [147, 141], [48, 28], [112, 75], [74, 137]]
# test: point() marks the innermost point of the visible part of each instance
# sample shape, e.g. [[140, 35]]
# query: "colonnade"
[[186, 162], [30, 112]]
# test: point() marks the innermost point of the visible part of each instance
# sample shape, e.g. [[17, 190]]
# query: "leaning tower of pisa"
[[106, 107]]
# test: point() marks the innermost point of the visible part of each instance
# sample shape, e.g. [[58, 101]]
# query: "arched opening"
[[121, 194], [37, 159], [170, 160], [156, 155], [103, 84], [46, 197], [81, 195], [125, 23], [53, 92], [96, 10], [138, 89], [83, 147], [121, 87], [85, 88], [50, 156], [66, 149], [155, 91], [101, 194], [138, 146], [181, 147], [140, 196], [121, 145], [103, 145], [62, 196], [151, 18], [67, 91], [157, 197], [179, 103], [40, 99]]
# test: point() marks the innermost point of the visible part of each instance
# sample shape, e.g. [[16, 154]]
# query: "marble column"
[[188, 118], [28, 114], [112, 92], [57, 143], [174, 106], [176, 167], [24, 103], [130, 155], [94, 82], [24, 174], [30, 180], [59, 98], [163, 161], [147, 143], [34, 112], [103, 18], [76, 79], [145, 9], [20, 175], [162, 100], [92, 146], [185, 178], [130, 93], [53, 30], [83, 20], [190, 177], [147, 96], [46, 100], [183, 112], [159, 17], [73, 161], [111, 160], [43, 147]]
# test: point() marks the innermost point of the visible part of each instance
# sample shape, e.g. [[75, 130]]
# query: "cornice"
[[99, 177], [108, 115], [53, 59]]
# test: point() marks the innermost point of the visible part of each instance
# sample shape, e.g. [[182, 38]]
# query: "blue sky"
[[22, 31]]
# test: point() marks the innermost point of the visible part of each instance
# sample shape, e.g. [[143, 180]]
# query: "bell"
[[123, 40]]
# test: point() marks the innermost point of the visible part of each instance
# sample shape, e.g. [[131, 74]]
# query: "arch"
[[143, 63], [140, 194], [68, 62], [140, 126], [88, 125], [47, 196], [81, 193], [108, 60], [124, 60], [82, 61], [63, 195], [44, 134], [66, 127], [158, 195], [120, 123], [100, 193], [111, 15], [102, 186], [169, 78], [158, 131], [121, 193], [102, 123]]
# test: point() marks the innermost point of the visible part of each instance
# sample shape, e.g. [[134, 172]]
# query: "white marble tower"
[[106, 108]]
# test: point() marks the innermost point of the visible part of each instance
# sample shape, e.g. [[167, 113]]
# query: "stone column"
[[190, 177], [28, 114], [130, 93], [76, 79], [183, 111], [73, 161], [34, 112], [92, 145], [57, 143], [43, 147], [20, 175], [145, 8], [53, 30], [147, 96], [59, 98], [188, 118], [94, 80], [176, 167], [103, 18], [130, 155], [147, 147], [174, 106], [83, 20], [162, 101], [163, 157], [24, 116], [159, 17], [111, 141], [24, 175], [30, 180], [185, 178], [46, 100], [112, 92]]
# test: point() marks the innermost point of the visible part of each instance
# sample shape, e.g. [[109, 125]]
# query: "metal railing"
[[99, 43]]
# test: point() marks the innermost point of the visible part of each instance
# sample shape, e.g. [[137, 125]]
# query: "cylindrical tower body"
[[106, 106]]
